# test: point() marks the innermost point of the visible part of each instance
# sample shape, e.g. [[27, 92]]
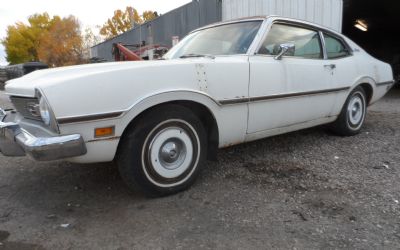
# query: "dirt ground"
[[304, 190]]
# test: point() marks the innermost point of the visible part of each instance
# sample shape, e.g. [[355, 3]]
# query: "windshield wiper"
[[197, 55]]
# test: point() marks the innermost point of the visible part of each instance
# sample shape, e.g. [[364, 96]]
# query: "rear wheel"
[[164, 152], [352, 116]]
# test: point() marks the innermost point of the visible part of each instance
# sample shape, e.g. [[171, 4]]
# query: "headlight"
[[44, 111]]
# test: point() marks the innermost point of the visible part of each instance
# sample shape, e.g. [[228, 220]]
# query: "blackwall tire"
[[163, 152], [352, 116]]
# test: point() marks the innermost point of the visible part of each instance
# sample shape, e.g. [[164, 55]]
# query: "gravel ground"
[[304, 190]]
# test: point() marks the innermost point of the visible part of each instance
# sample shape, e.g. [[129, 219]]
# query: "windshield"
[[229, 39]]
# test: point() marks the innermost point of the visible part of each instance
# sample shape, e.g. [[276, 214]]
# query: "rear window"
[[335, 48]]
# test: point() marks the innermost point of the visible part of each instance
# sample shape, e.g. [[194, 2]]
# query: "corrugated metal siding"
[[328, 13], [178, 22]]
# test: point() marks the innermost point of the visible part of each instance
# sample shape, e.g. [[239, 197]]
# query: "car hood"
[[113, 87], [42, 79]]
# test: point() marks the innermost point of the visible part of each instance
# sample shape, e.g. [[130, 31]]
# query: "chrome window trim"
[[266, 28], [259, 39], [322, 38], [346, 45], [243, 20], [319, 28], [269, 21], [293, 24], [214, 56], [294, 57]]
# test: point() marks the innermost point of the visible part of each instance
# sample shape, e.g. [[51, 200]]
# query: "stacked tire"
[[3, 78]]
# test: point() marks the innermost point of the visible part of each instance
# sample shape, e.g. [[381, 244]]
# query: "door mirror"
[[284, 49]]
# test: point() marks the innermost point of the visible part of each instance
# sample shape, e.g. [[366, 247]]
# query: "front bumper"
[[16, 141]]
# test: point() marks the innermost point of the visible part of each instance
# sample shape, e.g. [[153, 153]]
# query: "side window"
[[335, 48], [307, 42]]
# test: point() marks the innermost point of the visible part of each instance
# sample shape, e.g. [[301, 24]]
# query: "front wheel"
[[163, 153], [352, 116]]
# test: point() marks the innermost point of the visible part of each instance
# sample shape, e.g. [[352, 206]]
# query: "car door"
[[344, 70], [294, 89]]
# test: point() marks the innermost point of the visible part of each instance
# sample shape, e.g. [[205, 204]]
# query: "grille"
[[27, 107]]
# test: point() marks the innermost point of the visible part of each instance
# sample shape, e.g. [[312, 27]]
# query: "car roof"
[[237, 20], [274, 17]]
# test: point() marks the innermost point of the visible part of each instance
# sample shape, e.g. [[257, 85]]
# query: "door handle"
[[331, 66]]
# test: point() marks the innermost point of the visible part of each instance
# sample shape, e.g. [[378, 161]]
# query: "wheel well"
[[368, 90], [204, 115]]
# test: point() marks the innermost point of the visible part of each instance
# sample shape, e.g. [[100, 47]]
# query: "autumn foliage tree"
[[122, 21], [149, 15], [56, 41], [22, 40], [62, 44]]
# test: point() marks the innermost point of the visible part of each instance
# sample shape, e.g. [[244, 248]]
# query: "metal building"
[[324, 12], [178, 22]]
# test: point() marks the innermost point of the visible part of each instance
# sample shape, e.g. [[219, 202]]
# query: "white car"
[[222, 85]]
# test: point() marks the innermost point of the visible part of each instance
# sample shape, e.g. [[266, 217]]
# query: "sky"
[[90, 12]]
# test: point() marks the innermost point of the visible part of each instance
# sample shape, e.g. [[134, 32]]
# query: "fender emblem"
[[34, 109]]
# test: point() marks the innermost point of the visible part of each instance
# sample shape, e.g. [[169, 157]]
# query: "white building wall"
[[328, 13]]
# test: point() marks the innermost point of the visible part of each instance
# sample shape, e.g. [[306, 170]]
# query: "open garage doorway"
[[375, 26]]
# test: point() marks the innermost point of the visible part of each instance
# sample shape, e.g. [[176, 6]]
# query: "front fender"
[[169, 96]]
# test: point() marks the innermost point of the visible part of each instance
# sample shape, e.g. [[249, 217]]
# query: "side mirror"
[[285, 48]]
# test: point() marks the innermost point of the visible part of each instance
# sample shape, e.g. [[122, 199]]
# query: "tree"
[[149, 15], [62, 44], [56, 41], [89, 40], [18, 48], [122, 21], [22, 41]]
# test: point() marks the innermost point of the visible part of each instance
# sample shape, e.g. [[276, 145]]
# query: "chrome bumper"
[[16, 141]]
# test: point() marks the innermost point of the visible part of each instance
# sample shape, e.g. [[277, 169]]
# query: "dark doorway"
[[382, 21]]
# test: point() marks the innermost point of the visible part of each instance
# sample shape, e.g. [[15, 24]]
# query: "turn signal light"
[[103, 132]]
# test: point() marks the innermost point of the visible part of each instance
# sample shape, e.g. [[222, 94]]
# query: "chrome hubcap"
[[356, 110], [171, 152]]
